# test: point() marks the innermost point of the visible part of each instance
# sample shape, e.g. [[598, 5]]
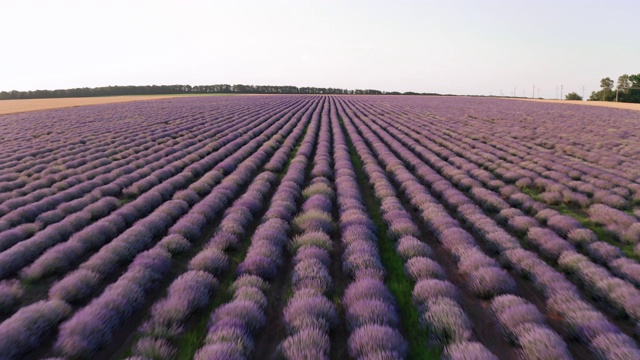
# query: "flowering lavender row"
[[599, 172], [233, 325], [23, 331], [434, 296], [508, 165], [88, 329], [485, 276], [499, 240], [625, 226], [309, 314], [522, 323], [82, 130], [372, 314], [580, 177], [563, 225], [97, 157], [560, 223], [125, 191], [145, 164], [110, 187], [193, 289], [25, 252], [80, 284], [129, 149], [553, 246]]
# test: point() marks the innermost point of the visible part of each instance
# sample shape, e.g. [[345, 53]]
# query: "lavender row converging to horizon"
[[320, 227]]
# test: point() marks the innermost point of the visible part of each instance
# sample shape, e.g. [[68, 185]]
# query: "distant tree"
[[187, 89], [606, 84], [573, 96], [624, 83]]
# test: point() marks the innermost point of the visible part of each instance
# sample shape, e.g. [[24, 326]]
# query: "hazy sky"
[[460, 47]]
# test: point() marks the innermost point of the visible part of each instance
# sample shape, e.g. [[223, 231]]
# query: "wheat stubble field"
[[320, 227]]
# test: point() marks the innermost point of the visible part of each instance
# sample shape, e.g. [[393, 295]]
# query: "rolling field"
[[320, 227]]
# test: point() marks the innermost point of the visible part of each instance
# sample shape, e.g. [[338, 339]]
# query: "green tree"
[[606, 84], [624, 83], [573, 96]]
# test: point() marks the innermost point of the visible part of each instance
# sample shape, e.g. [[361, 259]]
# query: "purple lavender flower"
[[563, 224], [313, 220], [10, 293], [308, 343], [75, 286], [490, 281], [467, 350], [446, 320], [308, 252], [409, 247], [419, 268], [371, 311], [313, 238], [151, 348], [428, 290], [27, 328], [372, 339], [542, 343], [211, 260], [226, 351]]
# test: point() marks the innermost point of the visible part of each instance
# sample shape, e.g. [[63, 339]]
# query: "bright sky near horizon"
[[479, 47]]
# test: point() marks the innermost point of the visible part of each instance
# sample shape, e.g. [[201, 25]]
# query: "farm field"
[[26, 105], [320, 227]]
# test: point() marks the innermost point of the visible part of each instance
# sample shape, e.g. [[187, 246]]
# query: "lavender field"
[[320, 227]]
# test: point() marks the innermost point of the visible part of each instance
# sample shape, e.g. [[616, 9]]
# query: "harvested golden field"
[[616, 105], [25, 105]]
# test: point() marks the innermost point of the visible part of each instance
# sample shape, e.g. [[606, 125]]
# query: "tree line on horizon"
[[188, 89], [627, 89]]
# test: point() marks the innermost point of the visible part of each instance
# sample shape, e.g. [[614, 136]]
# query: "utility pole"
[[561, 91], [533, 93]]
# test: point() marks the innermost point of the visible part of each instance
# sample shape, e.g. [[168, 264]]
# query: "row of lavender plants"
[[191, 292], [435, 297], [369, 306], [59, 220], [563, 225], [619, 293], [528, 164], [75, 129], [502, 242], [142, 137], [309, 314], [234, 325], [138, 236], [57, 259], [89, 329], [78, 285]]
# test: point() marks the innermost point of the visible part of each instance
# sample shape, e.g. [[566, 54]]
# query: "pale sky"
[[459, 47]]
